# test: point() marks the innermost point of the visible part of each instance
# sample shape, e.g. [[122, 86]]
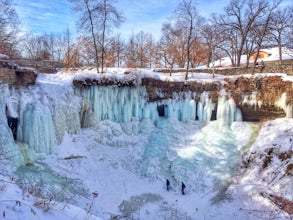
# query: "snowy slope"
[[267, 170]]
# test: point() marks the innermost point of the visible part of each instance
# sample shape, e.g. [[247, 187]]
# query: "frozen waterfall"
[[8, 148], [126, 104], [48, 110]]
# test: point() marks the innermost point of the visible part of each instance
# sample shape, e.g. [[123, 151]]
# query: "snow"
[[117, 164], [275, 137], [273, 56], [3, 56]]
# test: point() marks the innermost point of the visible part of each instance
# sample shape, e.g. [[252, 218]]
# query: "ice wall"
[[8, 149], [119, 104], [227, 111], [126, 104], [52, 107], [38, 128], [45, 112], [287, 107]]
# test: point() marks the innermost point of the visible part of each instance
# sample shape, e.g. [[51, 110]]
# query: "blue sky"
[[55, 16]]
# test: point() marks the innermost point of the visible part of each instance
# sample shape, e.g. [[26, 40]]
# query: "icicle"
[[289, 111], [200, 111], [38, 129], [8, 148], [205, 108], [227, 112], [281, 103]]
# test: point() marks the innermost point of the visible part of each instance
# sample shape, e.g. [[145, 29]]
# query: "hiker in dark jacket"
[[168, 184], [182, 188]]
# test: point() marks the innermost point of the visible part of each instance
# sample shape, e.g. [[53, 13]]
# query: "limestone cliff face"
[[261, 98], [15, 76], [158, 89]]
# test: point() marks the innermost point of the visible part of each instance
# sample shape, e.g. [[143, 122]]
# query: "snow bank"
[[268, 170]]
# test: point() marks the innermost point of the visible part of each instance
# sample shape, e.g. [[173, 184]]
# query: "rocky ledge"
[[260, 97], [16, 76]]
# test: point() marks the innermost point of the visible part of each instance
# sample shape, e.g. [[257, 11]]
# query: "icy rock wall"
[[65, 111], [8, 148], [45, 112], [125, 104], [227, 111], [119, 104], [38, 128], [45, 116], [287, 107]]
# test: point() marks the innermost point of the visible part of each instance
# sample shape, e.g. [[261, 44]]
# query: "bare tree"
[[109, 17], [60, 48], [119, 47], [115, 51], [261, 27], [140, 49], [131, 52], [173, 45], [143, 41], [87, 10], [238, 19], [34, 47], [212, 41], [68, 43], [98, 17], [8, 28], [189, 19], [280, 25]]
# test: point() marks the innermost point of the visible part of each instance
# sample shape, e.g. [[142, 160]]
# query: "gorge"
[[161, 127]]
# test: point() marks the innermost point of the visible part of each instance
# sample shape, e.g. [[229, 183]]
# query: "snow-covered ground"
[[111, 172]]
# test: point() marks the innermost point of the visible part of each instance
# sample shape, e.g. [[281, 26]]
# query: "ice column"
[[182, 106], [227, 111], [204, 108], [37, 128], [289, 111], [8, 148], [288, 108], [119, 104]]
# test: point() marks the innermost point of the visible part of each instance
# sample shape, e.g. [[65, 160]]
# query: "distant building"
[[262, 54]]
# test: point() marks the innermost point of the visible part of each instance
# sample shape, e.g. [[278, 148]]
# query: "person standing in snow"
[[262, 66], [182, 188], [167, 184]]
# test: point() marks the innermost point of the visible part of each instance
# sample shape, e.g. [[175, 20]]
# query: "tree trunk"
[[103, 34], [93, 36], [280, 48]]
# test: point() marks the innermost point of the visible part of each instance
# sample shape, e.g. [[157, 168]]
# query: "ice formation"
[[288, 108], [125, 104], [48, 110], [8, 148]]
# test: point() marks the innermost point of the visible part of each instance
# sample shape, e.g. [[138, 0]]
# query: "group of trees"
[[187, 39], [247, 26]]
